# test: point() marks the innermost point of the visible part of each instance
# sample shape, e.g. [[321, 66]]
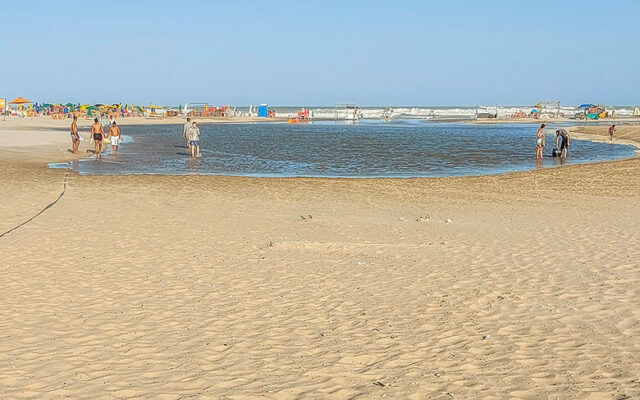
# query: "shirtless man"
[[97, 133], [75, 138], [114, 134]]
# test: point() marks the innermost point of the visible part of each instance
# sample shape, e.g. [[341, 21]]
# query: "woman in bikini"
[[540, 142]]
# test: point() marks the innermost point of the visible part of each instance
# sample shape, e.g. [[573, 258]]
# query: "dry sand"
[[203, 287]]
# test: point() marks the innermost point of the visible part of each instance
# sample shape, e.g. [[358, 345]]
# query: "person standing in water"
[[97, 133], [185, 130], [114, 134], [612, 130], [540, 141], [75, 137], [194, 139]]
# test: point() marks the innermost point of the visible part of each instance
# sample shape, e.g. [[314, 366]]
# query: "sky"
[[314, 53]]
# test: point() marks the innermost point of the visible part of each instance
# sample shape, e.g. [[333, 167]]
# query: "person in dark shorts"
[[75, 137], [194, 139], [97, 133], [562, 142]]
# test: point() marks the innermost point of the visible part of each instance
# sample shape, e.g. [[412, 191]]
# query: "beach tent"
[[21, 100], [263, 111]]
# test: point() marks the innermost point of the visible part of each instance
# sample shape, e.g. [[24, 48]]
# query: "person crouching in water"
[[194, 139], [563, 136], [97, 132], [114, 134], [540, 141]]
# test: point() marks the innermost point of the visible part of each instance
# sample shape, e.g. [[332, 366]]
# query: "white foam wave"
[[440, 112]]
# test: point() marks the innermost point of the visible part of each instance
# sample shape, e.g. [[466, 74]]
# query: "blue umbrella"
[[587, 105]]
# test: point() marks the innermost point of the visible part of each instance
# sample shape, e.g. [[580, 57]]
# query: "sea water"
[[400, 148]]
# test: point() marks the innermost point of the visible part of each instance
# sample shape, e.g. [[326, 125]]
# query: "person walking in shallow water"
[[540, 142], [114, 135], [185, 130], [194, 139], [97, 134]]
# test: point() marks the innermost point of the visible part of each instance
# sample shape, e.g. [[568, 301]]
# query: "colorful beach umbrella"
[[21, 100]]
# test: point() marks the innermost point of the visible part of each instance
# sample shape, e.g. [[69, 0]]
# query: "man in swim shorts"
[[75, 138], [114, 134], [97, 134], [194, 139]]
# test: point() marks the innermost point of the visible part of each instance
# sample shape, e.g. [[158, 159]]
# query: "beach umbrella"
[[21, 100], [586, 105]]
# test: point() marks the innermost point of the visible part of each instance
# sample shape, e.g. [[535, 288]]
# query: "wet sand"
[[216, 287]]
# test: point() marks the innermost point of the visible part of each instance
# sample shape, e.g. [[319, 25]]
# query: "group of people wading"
[[190, 133], [97, 136]]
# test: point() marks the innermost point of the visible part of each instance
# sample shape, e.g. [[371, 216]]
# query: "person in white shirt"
[[194, 139]]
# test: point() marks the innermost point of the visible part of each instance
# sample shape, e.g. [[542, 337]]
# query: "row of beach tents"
[[27, 106]]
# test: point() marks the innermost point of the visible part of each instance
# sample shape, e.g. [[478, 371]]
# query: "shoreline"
[[520, 285]]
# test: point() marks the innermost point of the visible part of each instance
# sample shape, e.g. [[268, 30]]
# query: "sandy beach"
[[517, 286]]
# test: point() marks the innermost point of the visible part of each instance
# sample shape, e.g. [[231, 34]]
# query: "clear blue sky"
[[322, 52]]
